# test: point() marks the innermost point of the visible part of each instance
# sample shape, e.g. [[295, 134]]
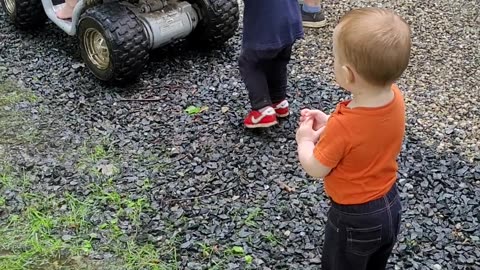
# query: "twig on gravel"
[[140, 100], [203, 196], [284, 186]]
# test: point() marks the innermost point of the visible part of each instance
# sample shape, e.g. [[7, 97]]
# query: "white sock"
[[262, 110]]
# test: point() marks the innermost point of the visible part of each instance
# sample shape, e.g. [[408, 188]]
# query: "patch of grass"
[[207, 250], [147, 185], [21, 183], [238, 251], [272, 239], [98, 158], [30, 243], [252, 215], [131, 209], [154, 163], [141, 256], [76, 217], [221, 258], [135, 208], [12, 94], [15, 125], [55, 233], [6, 180]]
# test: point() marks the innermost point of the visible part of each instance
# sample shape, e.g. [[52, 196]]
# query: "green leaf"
[[192, 110], [237, 250], [248, 259]]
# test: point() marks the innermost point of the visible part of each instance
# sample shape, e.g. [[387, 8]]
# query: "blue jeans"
[[362, 236]]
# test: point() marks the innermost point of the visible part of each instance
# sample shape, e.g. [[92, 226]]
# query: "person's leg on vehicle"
[[312, 14], [66, 11]]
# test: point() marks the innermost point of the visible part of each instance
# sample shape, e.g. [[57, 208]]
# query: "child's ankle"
[[265, 108], [311, 9]]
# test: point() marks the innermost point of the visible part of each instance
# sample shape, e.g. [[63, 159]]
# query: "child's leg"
[[312, 14], [361, 237], [277, 75], [379, 259], [334, 243], [251, 65]]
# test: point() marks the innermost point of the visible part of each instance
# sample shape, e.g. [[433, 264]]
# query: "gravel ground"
[[211, 183]]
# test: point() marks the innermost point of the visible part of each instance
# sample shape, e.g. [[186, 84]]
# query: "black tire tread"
[[28, 14], [219, 22], [127, 38]]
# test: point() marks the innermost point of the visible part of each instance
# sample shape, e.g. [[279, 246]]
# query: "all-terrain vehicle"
[[116, 35]]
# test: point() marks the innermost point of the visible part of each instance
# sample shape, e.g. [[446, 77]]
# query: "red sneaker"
[[257, 119], [281, 108]]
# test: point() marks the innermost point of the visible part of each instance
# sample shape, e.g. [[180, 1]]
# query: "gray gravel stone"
[[196, 164]]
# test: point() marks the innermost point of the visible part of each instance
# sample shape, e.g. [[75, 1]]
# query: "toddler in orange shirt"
[[355, 148]]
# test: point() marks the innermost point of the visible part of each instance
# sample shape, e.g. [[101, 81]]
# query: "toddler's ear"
[[348, 74]]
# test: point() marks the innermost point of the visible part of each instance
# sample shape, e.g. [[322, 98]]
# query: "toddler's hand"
[[306, 133], [319, 117]]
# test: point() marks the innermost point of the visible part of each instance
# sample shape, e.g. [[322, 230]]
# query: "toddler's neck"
[[372, 97]]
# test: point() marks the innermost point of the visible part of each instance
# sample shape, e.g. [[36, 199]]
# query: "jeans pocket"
[[364, 241], [330, 222]]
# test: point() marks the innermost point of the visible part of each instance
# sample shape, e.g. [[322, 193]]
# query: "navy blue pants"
[[361, 237], [264, 73]]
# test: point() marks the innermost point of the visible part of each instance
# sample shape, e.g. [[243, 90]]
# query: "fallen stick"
[[286, 187], [203, 196], [140, 100]]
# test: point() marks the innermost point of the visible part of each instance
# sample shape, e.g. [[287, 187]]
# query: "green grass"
[[252, 216], [98, 158], [141, 257], [11, 94], [271, 238], [34, 238], [76, 217], [29, 242], [55, 231], [15, 126]]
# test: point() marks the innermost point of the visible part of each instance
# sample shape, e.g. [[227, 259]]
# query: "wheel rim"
[[96, 48], [10, 5]]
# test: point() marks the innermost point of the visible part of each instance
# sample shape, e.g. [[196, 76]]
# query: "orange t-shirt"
[[362, 145]]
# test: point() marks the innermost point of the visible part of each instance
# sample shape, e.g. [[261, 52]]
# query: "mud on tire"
[[25, 14], [218, 24], [124, 38]]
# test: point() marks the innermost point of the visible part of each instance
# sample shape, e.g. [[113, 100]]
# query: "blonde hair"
[[376, 42]]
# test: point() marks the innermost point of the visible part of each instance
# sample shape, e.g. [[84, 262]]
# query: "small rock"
[[67, 237], [186, 245], [198, 170], [309, 246]]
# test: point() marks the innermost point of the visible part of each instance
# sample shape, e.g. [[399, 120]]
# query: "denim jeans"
[[361, 237], [264, 73]]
